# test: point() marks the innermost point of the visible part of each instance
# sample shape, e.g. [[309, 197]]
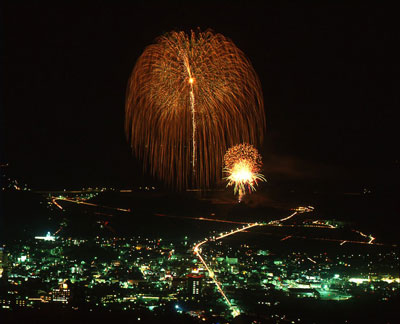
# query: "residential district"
[[118, 274]]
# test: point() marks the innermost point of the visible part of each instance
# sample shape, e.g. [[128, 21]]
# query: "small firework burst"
[[242, 165]]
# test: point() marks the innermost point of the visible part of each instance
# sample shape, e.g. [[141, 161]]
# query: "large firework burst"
[[242, 165], [190, 97]]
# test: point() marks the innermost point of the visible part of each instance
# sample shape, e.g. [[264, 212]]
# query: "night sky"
[[328, 75]]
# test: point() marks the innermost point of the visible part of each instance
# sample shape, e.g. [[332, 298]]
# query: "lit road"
[[316, 224], [77, 201], [312, 260], [298, 210], [370, 237], [80, 202], [197, 250], [278, 221], [201, 219], [338, 240], [342, 242], [53, 200]]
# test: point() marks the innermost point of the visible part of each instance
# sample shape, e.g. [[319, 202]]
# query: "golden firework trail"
[[189, 98], [191, 81], [242, 165]]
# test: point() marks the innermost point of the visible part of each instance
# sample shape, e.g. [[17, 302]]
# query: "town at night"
[[225, 162], [220, 261]]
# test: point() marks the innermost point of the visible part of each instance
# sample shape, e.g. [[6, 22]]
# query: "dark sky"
[[328, 75]]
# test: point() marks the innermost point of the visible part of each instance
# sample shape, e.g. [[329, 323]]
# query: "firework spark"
[[242, 165], [190, 97]]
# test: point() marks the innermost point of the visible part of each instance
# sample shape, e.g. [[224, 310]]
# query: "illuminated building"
[[20, 302], [48, 237], [3, 263], [5, 303], [234, 269], [231, 261], [61, 294], [194, 284], [303, 292]]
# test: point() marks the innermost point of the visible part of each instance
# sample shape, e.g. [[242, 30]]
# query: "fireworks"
[[190, 97], [243, 164]]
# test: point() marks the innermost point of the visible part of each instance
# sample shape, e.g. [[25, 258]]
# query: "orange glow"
[[242, 164], [189, 98]]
